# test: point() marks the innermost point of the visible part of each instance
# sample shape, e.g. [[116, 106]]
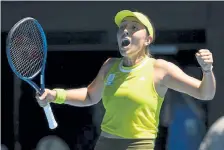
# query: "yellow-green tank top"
[[131, 102]]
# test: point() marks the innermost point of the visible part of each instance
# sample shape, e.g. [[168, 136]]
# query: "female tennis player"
[[133, 87]]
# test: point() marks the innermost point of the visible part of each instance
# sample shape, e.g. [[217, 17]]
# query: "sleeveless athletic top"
[[131, 102]]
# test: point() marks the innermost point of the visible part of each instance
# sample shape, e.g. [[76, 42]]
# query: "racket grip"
[[50, 117]]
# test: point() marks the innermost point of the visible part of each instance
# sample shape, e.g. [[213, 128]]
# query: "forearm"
[[208, 86], [78, 97]]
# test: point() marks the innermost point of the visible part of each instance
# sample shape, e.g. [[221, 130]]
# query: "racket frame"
[[48, 111]]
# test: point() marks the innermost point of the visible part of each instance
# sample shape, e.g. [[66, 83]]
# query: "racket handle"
[[50, 117]]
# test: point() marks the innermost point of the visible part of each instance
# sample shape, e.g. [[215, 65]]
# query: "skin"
[[166, 74], [131, 29]]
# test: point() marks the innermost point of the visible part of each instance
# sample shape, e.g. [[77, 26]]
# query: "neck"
[[133, 60]]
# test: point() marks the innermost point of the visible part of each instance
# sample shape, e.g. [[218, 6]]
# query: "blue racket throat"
[[26, 50], [42, 81]]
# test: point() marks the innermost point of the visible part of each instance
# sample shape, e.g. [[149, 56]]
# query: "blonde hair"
[[147, 52]]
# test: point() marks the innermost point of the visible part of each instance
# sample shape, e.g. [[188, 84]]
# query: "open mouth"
[[125, 42]]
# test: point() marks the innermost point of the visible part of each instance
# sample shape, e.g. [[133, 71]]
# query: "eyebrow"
[[132, 21]]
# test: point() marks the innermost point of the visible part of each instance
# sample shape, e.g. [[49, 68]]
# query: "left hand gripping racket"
[[26, 50]]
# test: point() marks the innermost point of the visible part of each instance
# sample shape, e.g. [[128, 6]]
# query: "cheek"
[[138, 40], [117, 36], [140, 36]]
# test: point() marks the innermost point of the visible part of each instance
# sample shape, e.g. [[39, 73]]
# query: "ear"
[[148, 40]]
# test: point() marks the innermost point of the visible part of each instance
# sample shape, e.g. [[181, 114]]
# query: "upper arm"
[[95, 88], [174, 78]]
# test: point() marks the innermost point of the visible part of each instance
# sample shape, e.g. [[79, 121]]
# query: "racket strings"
[[26, 49]]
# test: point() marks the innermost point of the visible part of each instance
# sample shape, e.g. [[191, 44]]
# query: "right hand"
[[47, 97]]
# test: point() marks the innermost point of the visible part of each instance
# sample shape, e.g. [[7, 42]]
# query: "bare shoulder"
[[110, 61], [161, 67], [161, 64], [107, 65], [159, 74], [166, 69]]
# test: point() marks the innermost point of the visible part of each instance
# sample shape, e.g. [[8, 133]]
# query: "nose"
[[126, 32]]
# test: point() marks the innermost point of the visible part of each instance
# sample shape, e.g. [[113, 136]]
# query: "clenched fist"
[[205, 59], [46, 97]]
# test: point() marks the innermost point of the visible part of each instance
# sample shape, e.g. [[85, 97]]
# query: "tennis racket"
[[26, 49]]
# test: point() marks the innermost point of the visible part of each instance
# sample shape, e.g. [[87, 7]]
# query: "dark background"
[[77, 68], [76, 125]]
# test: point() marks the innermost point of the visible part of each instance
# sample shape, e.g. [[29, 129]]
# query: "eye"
[[134, 27], [122, 27]]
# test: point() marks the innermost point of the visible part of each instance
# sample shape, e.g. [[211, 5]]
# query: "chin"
[[124, 53], [127, 52]]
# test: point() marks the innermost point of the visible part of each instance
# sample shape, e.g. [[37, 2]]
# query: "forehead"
[[127, 20]]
